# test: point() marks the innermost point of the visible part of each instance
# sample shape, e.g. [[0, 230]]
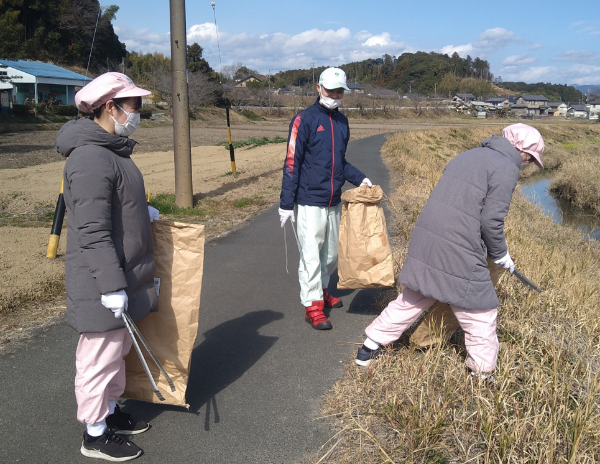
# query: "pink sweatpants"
[[100, 374], [479, 326]]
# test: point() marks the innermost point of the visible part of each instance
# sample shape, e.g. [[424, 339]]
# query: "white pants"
[[318, 232]]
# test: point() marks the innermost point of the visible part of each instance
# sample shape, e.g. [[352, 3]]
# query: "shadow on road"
[[227, 352]]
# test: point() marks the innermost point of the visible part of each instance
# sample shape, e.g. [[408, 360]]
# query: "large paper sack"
[[364, 252], [170, 332]]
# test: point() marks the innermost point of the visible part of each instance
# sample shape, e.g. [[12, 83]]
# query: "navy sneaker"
[[365, 355], [109, 447], [123, 424], [488, 380]]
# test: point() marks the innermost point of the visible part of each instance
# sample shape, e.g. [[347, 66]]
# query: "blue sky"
[[527, 40]]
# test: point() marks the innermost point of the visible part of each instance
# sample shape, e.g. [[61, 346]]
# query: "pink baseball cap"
[[107, 86], [527, 139]]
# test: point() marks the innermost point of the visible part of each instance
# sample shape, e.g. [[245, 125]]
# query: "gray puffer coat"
[[109, 241], [446, 256]]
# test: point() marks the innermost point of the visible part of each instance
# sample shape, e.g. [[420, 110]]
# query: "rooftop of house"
[[580, 108], [354, 85], [39, 69], [466, 95], [534, 97]]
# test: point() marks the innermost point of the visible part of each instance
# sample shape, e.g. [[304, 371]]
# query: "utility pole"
[[181, 116], [435, 90], [313, 68]]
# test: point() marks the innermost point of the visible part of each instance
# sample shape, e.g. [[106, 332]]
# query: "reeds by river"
[[421, 406]]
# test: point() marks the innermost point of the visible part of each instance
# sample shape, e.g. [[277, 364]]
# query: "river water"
[[537, 191]]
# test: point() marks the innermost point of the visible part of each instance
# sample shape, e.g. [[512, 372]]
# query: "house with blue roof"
[[36, 82]]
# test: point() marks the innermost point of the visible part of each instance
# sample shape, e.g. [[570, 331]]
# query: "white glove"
[[116, 302], [285, 214], [506, 262], [153, 212], [367, 182]]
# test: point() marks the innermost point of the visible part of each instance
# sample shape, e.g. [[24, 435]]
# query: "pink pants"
[[100, 374], [479, 326]]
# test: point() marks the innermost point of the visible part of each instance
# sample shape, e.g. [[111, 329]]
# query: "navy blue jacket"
[[315, 167]]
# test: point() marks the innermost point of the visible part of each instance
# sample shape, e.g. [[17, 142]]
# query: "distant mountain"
[[591, 89]]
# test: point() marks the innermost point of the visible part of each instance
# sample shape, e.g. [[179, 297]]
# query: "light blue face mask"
[[130, 125]]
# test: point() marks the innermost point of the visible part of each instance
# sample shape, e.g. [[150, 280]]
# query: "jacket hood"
[[85, 131], [503, 146]]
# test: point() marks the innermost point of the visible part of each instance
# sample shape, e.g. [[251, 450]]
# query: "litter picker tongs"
[[525, 281], [131, 328]]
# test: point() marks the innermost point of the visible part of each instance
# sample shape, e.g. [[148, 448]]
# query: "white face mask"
[[330, 103], [131, 123]]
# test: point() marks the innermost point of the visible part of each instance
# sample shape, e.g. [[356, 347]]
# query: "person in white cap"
[[314, 172], [109, 265], [460, 226]]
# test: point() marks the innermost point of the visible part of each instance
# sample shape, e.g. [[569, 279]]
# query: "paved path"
[[258, 370]]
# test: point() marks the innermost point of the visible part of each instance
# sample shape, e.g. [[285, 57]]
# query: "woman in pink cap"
[[110, 261], [460, 226]]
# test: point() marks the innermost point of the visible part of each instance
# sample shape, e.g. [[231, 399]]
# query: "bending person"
[[461, 224], [110, 260]]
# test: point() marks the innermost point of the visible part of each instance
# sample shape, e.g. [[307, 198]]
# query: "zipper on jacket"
[[332, 157]]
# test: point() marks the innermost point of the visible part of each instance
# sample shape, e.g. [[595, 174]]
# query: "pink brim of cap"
[[135, 92]]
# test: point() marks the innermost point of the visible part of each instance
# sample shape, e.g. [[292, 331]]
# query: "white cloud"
[[579, 56], [536, 46], [275, 51], [519, 59], [488, 41], [575, 74]]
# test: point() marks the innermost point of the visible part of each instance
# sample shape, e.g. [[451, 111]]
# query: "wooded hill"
[[61, 32], [420, 72], [553, 92]]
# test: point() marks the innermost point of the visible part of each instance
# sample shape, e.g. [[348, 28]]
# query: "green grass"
[[253, 142], [251, 115], [240, 203], [165, 204]]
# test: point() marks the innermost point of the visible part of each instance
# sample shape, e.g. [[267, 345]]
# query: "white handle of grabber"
[[144, 365], [149, 350]]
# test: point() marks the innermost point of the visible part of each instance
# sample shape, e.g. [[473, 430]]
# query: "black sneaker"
[[365, 355], [123, 424], [109, 447]]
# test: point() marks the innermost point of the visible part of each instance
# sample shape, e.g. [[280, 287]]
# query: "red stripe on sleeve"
[[291, 152]]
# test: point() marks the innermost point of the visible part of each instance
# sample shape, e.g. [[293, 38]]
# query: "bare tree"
[[231, 70], [163, 84], [417, 102], [202, 91], [237, 96]]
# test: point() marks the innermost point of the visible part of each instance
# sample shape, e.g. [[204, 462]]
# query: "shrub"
[[65, 110], [145, 113], [40, 108], [23, 110]]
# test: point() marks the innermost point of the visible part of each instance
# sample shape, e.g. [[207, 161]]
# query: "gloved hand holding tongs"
[[117, 303]]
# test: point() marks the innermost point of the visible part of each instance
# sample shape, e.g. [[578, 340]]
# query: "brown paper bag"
[[170, 332], [364, 252]]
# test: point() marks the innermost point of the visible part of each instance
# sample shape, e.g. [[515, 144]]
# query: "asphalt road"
[[258, 370]]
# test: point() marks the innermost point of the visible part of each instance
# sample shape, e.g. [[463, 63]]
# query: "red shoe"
[[331, 301], [315, 316]]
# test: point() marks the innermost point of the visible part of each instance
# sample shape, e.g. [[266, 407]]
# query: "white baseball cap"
[[333, 78]]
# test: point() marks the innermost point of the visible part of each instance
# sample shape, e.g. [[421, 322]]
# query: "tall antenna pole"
[[181, 115], [217, 33]]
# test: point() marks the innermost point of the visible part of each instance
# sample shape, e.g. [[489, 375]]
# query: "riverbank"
[[420, 406]]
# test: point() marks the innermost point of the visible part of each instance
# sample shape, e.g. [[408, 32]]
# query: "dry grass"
[[577, 180], [421, 407]]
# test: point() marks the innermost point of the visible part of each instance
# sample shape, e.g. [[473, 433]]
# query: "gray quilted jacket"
[[463, 217], [109, 240]]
